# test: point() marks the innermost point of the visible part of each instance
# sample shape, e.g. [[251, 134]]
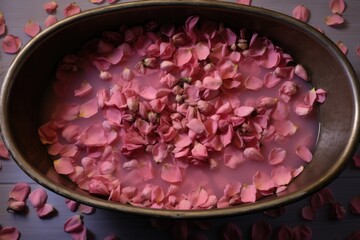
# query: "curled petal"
[[38, 198], [63, 165], [71, 10], [16, 206], [301, 12], [276, 156], [20, 192], [321, 95], [301, 72], [342, 47], [84, 90], [2, 24], [303, 110], [358, 51], [11, 44], [4, 153], [281, 175], [304, 153], [337, 6], [45, 210], [199, 151], [73, 224], [244, 111], [212, 83], [9, 233], [252, 153], [334, 19], [253, 83], [190, 27], [50, 7], [171, 173], [50, 20], [260, 230], [71, 205], [263, 182]]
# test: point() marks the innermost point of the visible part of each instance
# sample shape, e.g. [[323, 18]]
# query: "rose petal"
[[252, 153], [212, 83], [275, 212], [85, 209], [308, 213], [89, 108], [301, 12], [201, 51], [244, 111], [244, 2], [354, 205], [262, 182], [73, 224], [248, 194], [190, 27], [50, 7], [50, 20], [171, 173], [182, 140], [20, 192], [342, 47], [231, 231], [302, 232], [337, 6], [45, 211], [97, 1], [196, 125], [71, 10], [304, 153], [260, 230], [199, 151], [11, 44], [4, 153], [253, 83], [285, 128], [182, 56], [301, 72], [284, 233], [32, 28], [271, 79], [84, 90], [9, 233], [321, 95], [63, 165], [337, 211], [334, 19], [16, 206], [72, 205], [276, 156], [38, 198], [149, 93], [2, 24], [358, 51]]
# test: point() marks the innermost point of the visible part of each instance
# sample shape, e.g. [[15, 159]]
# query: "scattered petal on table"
[[301, 12], [11, 44], [20, 191], [342, 47], [38, 197], [2, 24], [244, 2], [334, 19], [337, 211], [50, 7], [71, 9], [337, 6]]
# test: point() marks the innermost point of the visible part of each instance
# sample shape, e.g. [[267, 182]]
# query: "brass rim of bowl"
[[236, 210]]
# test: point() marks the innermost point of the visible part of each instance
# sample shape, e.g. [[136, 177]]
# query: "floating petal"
[[212, 83], [63, 165], [342, 47], [253, 83], [276, 156], [304, 153], [89, 108], [171, 173]]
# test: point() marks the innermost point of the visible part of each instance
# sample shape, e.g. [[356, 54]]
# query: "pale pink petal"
[[71, 132], [354, 205], [182, 56], [233, 157], [71, 10], [224, 109], [321, 95], [20, 191], [2, 24], [97, 1], [253, 83], [159, 152], [301, 72], [45, 211], [304, 153], [38, 197], [196, 125], [295, 172], [337, 211], [11, 44], [285, 128], [50, 20], [244, 111], [260, 230], [50, 7], [89, 108], [303, 110], [212, 83], [199, 151], [72, 205], [334, 19], [4, 153], [9, 233], [231, 231], [32, 28], [281, 175], [182, 140], [84, 90], [149, 93], [248, 194], [301, 12], [171, 173], [94, 136], [73, 224], [85, 209], [63, 165], [67, 112], [337, 6], [252, 153], [342, 47], [262, 181], [271, 79], [270, 59], [276, 156], [244, 2], [201, 51], [308, 213]]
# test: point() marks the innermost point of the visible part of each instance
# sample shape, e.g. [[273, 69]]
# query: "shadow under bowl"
[[31, 71]]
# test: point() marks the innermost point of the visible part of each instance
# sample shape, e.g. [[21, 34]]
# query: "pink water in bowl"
[[180, 117]]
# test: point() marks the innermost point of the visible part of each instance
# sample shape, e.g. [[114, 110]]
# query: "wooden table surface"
[[103, 223]]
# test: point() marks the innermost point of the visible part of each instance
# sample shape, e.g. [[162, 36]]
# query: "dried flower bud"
[[167, 66], [105, 75], [180, 39], [178, 90], [179, 98], [152, 117], [242, 44], [150, 62], [127, 74], [133, 104], [16, 206], [208, 67]]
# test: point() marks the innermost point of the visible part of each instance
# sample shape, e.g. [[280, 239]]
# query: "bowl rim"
[[209, 213]]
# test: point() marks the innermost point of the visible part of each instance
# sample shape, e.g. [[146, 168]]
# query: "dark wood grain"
[[102, 223]]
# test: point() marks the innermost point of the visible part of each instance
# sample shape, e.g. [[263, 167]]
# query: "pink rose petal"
[[248, 194], [182, 141], [337, 211], [301, 72], [97, 1], [89, 108], [50, 20], [63, 165], [304, 153], [182, 56], [342, 47], [334, 19], [171, 173], [32, 28], [230, 231], [233, 157], [16, 206], [260, 230], [196, 125], [11, 44], [263, 182], [212, 83], [38, 198], [321, 95], [276, 156], [45, 211], [244, 2], [72, 205], [2, 24], [84, 90], [354, 205], [149, 93], [308, 213], [50, 7], [190, 27], [73, 224], [244, 111], [85, 209], [337, 6], [4, 153], [71, 10], [285, 128], [20, 192], [199, 151], [201, 50], [253, 83], [281, 175], [301, 12], [252, 153], [9, 233]]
